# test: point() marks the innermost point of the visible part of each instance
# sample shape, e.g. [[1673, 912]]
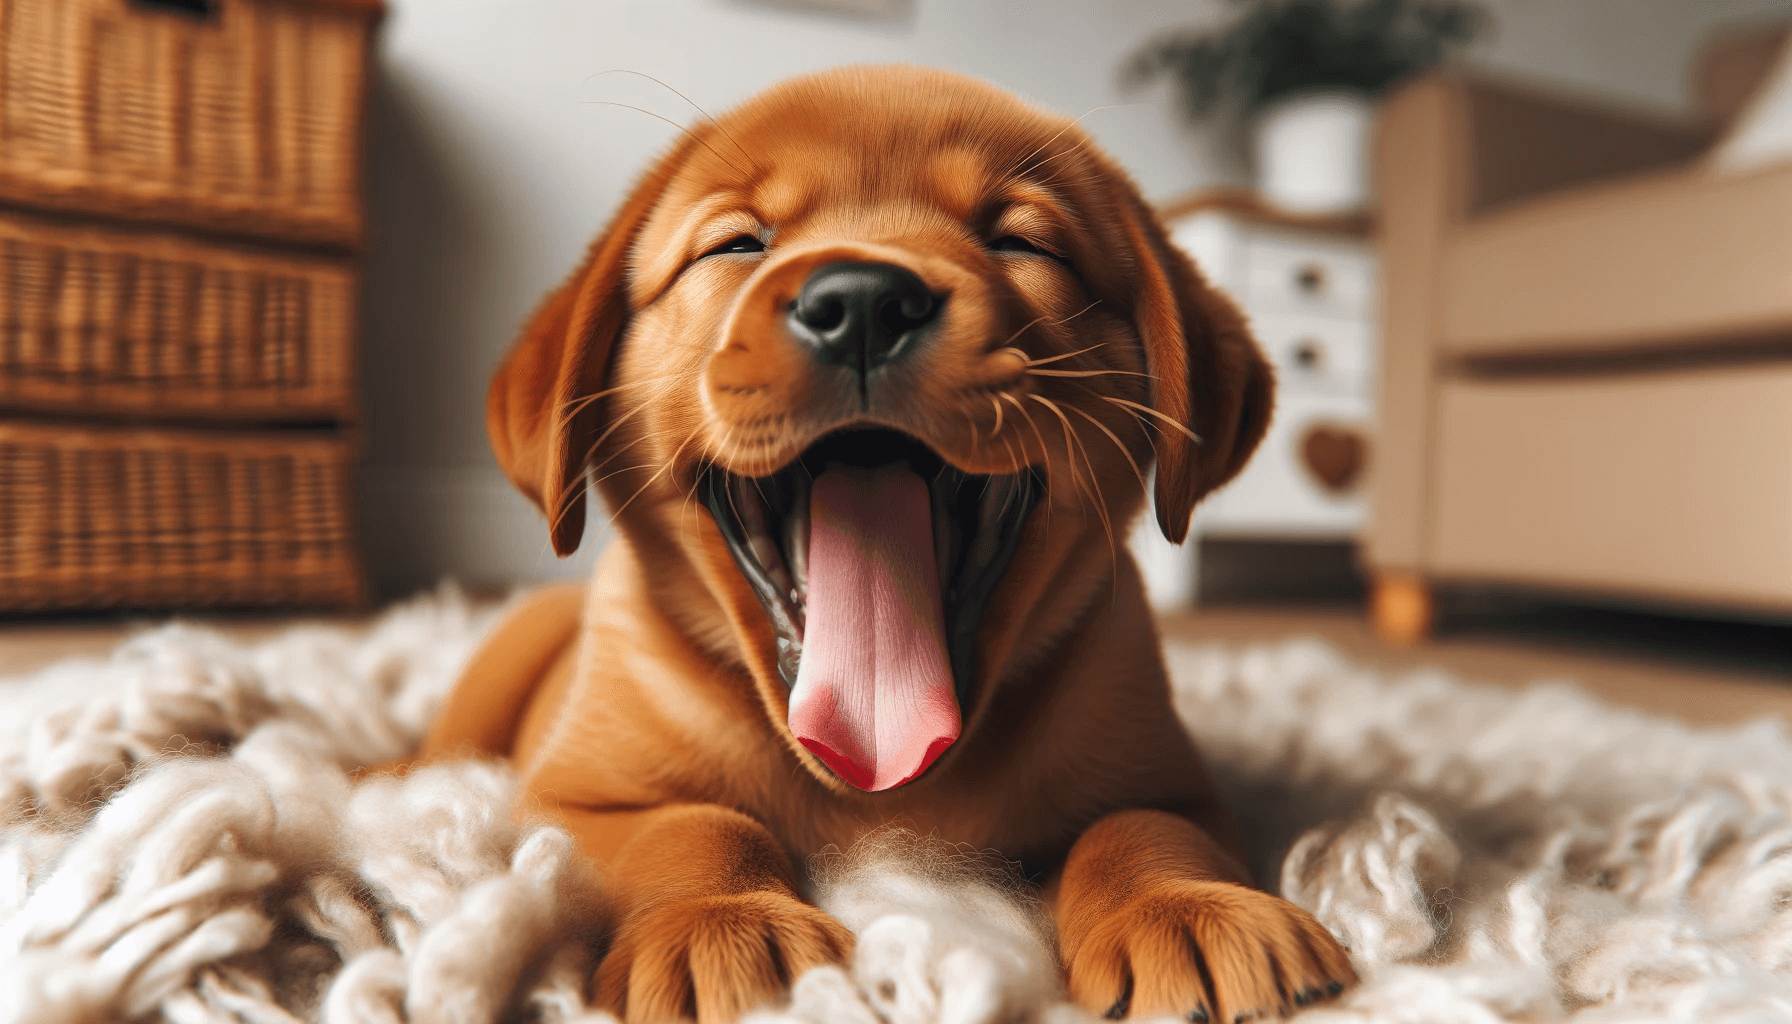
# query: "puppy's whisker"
[[657, 438], [612, 456], [572, 407], [1047, 183], [1030, 324], [729, 491], [685, 509], [638, 492], [626, 469], [1093, 491], [1136, 472], [1042, 318], [582, 478], [1011, 400], [1101, 511], [577, 483], [665, 385], [587, 477], [1081, 146], [1036, 150], [697, 481], [997, 429], [1019, 467], [759, 489], [1058, 331], [1130, 461], [1044, 451], [662, 471], [1088, 373], [1068, 355], [706, 115], [1069, 455], [700, 139], [1073, 316], [575, 404], [1147, 410], [645, 403], [1058, 176]]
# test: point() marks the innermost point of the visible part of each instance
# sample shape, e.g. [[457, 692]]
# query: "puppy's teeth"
[[759, 538], [796, 542]]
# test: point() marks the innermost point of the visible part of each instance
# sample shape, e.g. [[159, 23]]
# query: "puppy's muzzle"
[[862, 316]]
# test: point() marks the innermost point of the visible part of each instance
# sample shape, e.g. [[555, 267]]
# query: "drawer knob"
[[1310, 278], [1308, 355]]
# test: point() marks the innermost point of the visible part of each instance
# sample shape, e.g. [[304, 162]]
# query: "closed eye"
[[1024, 246], [1015, 243], [737, 244]]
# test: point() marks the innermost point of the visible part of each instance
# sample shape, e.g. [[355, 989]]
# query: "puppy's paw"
[[715, 957], [1204, 952]]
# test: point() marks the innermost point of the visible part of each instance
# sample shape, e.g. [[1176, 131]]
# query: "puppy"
[[871, 372]]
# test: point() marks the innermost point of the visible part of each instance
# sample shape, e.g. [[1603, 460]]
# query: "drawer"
[[1309, 275], [107, 517], [1281, 492], [107, 321], [241, 116], [1317, 354]]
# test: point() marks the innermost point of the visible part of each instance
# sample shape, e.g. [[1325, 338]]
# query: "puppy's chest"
[[974, 813], [814, 838]]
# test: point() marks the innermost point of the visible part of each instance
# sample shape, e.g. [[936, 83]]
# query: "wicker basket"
[[95, 518], [106, 321], [244, 117]]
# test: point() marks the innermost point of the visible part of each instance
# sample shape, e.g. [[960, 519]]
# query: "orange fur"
[[656, 723]]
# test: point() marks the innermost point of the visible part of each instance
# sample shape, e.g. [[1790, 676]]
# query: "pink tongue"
[[873, 696]]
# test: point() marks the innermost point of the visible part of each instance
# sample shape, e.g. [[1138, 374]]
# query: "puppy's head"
[[872, 371]]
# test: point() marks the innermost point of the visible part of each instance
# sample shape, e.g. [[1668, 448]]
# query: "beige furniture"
[[1587, 362]]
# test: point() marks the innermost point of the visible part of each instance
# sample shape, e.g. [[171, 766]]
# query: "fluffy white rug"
[[181, 840]]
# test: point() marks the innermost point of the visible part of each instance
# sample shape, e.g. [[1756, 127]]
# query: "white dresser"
[[1309, 289]]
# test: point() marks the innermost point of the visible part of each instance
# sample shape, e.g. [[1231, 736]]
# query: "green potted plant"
[[1303, 73]]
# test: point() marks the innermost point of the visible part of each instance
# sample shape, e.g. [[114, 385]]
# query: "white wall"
[[491, 166]]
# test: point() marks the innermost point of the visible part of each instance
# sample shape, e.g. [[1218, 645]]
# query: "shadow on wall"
[[435, 319]]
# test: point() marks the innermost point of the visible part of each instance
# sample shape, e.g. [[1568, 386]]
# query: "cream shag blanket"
[[181, 840]]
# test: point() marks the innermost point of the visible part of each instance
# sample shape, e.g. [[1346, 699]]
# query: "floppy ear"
[[539, 413], [1207, 372]]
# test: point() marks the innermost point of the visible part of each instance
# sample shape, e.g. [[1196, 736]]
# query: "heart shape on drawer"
[[1335, 455]]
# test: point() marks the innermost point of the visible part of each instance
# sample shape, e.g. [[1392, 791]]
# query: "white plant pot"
[[1312, 151]]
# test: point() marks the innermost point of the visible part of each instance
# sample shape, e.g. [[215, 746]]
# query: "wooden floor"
[[29, 644], [1703, 672]]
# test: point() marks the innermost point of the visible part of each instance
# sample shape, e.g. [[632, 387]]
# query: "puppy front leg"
[[710, 923], [1155, 919]]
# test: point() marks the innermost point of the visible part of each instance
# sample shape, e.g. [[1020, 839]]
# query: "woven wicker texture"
[[160, 518], [245, 120], [97, 321]]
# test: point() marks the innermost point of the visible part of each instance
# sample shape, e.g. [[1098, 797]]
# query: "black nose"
[[862, 315]]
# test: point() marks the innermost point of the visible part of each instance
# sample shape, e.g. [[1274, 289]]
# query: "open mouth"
[[874, 559]]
